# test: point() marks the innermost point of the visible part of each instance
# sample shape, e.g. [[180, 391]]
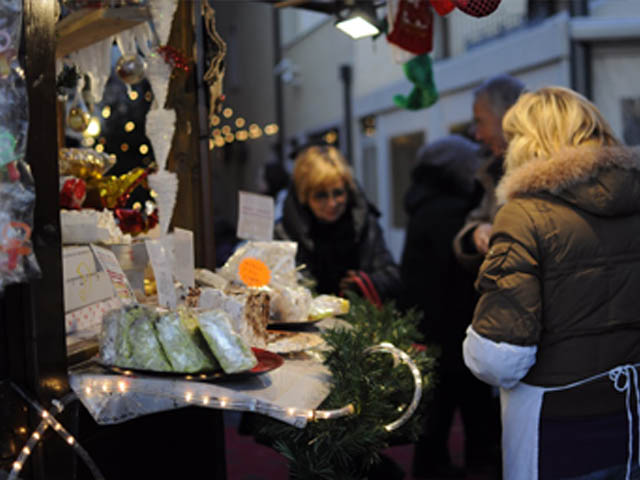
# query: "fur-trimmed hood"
[[601, 180]]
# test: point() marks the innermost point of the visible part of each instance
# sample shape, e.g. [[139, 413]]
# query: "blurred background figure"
[[442, 193], [557, 325], [491, 100], [335, 226]]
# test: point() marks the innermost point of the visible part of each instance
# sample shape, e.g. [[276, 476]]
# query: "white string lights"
[[190, 393], [100, 390], [49, 420]]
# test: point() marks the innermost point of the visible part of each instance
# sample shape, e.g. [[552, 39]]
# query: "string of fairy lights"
[[222, 135], [92, 387]]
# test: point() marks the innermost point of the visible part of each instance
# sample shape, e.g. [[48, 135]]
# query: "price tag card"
[[161, 263], [109, 263], [255, 216], [254, 272], [183, 258]]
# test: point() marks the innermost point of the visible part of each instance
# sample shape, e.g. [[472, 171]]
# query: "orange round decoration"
[[254, 272]]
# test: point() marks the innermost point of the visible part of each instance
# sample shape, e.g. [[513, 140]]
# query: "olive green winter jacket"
[[563, 270]]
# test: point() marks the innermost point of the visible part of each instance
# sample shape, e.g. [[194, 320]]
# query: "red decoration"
[[73, 192], [413, 27], [175, 58], [443, 7], [477, 8], [135, 222]]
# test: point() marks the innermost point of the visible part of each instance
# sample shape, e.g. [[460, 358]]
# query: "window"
[[370, 172], [631, 121], [403, 149]]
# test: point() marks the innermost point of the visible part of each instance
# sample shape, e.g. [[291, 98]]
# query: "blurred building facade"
[[296, 68]]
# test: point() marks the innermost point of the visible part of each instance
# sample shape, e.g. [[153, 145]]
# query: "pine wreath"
[[347, 448]]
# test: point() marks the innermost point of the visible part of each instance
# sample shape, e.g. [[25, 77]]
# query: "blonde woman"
[[557, 326], [335, 226]]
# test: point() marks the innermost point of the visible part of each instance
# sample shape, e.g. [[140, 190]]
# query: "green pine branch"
[[347, 448]]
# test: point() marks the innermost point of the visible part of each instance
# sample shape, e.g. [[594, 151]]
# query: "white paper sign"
[[161, 263], [255, 216], [110, 264], [183, 258]]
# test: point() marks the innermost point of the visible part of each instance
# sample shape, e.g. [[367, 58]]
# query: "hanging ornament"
[[162, 15], [131, 69], [165, 185], [443, 7], [217, 67], [158, 73], [412, 26], [477, 8], [159, 127], [78, 120]]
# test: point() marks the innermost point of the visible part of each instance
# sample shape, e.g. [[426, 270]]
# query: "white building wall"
[[315, 97]]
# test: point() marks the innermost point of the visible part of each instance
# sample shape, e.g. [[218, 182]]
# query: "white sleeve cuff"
[[497, 363]]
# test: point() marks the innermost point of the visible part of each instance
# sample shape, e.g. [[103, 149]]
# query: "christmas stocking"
[[411, 25], [424, 94]]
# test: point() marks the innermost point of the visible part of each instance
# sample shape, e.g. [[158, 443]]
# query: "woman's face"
[[329, 203]]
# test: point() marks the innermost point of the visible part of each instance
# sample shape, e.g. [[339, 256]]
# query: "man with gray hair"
[[491, 101]]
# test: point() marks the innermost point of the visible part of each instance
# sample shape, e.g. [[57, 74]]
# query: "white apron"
[[520, 412]]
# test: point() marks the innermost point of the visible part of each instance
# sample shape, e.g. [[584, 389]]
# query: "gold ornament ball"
[[78, 119]]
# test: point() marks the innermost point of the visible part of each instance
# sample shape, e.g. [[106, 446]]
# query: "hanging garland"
[[378, 388]]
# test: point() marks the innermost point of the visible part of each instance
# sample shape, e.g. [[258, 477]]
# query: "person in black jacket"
[[336, 228], [443, 191]]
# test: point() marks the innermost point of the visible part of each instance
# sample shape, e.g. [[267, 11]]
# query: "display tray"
[[267, 361], [285, 341]]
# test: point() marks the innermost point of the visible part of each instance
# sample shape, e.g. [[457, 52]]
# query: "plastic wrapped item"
[[290, 303], [229, 348], [128, 340], [207, 278], [84, 163], [248, 312], [324, 306], [183, 343], [279, 256], [17, 192]]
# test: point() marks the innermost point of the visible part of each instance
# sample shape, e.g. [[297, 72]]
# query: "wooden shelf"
[[90, 25]]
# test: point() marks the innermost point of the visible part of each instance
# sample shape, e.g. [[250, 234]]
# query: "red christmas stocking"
[[413, 26]]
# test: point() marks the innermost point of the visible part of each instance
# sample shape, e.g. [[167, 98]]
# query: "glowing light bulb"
[[93, 129], [227, 112], [129, 126], [143, 149], [106, 112]]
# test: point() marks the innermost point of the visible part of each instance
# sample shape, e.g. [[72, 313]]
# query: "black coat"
[[328, 250], [434, 282]]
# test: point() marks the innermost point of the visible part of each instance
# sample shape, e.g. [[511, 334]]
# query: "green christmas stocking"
[[424, 94]]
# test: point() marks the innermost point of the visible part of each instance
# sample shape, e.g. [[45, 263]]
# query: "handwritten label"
[[254, 272], [255, 216], [161, 263], [109, 263]]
